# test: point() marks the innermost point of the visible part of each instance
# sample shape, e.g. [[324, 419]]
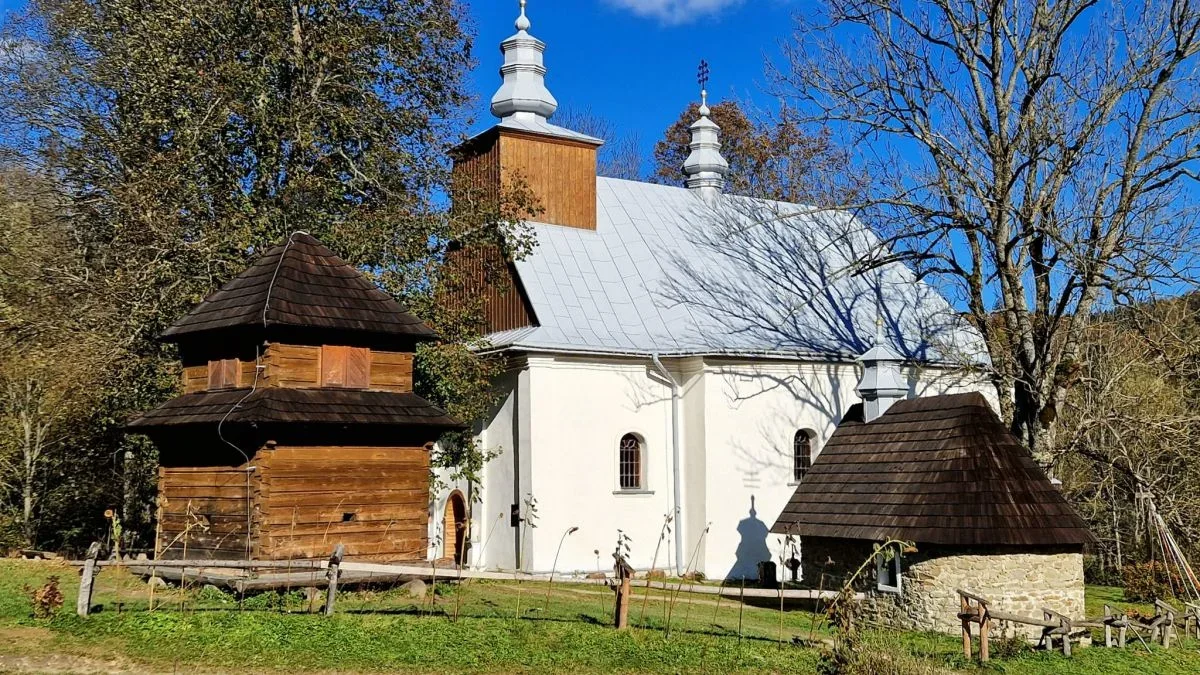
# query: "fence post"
[[83, 604], [1108, 636], [984, 628], [964, 611], [621, 608], [335, 562]]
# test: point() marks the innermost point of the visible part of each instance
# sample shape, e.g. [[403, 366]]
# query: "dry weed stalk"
[[663, 534]]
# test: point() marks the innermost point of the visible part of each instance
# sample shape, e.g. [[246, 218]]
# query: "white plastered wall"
[[580, 410], [557, 431]]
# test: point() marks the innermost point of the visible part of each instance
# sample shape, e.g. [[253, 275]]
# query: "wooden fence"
[[978, 610], [254, 575]]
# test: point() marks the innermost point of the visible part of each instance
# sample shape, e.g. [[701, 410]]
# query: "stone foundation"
[[1018, 581]]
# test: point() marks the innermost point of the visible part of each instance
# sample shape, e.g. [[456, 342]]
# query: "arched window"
[[630, 462], [801, 454]]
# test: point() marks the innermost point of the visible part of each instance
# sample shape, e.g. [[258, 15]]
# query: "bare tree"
[[1031, 155], [621, 154], [1129, 428]]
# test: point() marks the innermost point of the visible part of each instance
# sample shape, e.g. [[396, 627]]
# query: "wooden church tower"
[[298, 428]]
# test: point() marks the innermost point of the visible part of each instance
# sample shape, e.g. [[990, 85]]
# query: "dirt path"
[[30, 650]]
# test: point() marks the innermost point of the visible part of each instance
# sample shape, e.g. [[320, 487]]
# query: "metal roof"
[[668, 272]]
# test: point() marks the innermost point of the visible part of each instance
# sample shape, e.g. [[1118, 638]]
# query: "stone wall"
[[1018, 581]]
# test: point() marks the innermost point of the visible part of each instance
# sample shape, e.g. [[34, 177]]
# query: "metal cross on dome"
[[702, 74]]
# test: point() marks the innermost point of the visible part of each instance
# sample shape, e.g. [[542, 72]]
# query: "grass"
[[386, 630]]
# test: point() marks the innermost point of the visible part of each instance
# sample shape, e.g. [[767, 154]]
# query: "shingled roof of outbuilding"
[[936, 470], [301, 283], [277, 405]]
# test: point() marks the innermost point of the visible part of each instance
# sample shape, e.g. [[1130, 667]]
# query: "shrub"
[[1145, 582], [47, 600], [874, 653]]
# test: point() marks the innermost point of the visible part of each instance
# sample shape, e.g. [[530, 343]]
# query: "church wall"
[[557, 433], [752, 411], [695, 452], [580, 410], [493, 539]]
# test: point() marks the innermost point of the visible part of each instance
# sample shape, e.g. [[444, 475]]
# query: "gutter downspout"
[[676, 464]]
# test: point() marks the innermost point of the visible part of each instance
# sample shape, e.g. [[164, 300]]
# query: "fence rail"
[[329, 573], [977, 609]]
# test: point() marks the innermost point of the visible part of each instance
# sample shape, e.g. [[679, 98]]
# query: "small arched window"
[[801, 454], [630, 462]]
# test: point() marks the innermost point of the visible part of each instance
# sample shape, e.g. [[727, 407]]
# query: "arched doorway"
[[455, 529]]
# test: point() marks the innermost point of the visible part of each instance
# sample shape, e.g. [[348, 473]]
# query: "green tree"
[[186, 137], [52, 347]]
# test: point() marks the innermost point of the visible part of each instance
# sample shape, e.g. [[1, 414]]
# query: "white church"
[[672, 352]]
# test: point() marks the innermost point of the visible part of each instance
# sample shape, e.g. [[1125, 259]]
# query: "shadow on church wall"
[[752, 546]]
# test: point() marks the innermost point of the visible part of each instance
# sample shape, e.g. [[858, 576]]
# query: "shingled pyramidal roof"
[[934, 470], [300, 283]]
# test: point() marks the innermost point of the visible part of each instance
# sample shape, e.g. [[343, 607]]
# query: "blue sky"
[[634, 62]]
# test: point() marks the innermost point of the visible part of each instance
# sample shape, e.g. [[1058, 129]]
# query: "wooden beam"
[[417, 571]]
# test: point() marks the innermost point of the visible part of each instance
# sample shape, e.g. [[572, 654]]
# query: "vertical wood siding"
[[478, 164], [505, 306], [561, 173]]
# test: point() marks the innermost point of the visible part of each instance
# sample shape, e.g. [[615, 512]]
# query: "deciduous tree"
[[1036, 157], [184, 138], [774, 157]]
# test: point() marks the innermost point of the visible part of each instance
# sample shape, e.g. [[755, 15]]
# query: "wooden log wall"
[[373, 500], [204, 513]]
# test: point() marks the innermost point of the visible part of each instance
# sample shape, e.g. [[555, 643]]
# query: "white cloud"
[[674, 11]]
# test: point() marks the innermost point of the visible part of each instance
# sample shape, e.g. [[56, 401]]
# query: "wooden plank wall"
[[505, 306], [196, 378], [375, 501], [391, 371], [293, 366], [477, 164], [299, 367], [561, 173], [203, 512]]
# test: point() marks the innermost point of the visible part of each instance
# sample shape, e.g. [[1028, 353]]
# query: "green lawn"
[[385, 630]]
